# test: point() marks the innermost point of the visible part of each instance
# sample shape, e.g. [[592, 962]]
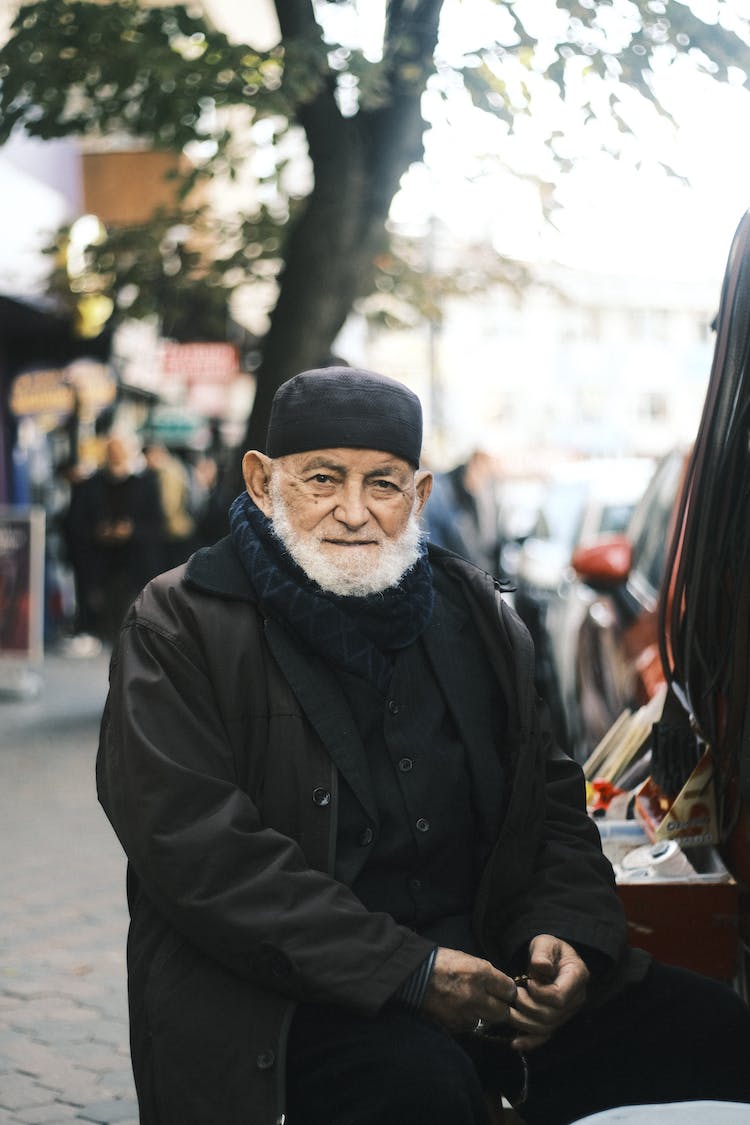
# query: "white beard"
[[365, 572]]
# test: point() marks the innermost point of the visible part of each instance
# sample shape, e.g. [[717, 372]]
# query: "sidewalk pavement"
[[63, 918]]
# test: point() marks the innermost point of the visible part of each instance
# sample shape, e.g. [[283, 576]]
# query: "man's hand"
[[464, 989], [556, 989]]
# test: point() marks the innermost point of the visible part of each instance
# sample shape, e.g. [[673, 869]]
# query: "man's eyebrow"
[[388, 468], [319, 462]]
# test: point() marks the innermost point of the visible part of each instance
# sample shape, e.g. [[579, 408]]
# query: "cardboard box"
[[691, 921], [691, 818]]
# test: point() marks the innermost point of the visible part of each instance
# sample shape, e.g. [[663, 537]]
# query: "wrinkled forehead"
[[346, 461]]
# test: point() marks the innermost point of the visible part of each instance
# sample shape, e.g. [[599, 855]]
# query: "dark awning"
[[33, 332]]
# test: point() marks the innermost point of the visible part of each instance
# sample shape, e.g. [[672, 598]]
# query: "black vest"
[[425, 853]]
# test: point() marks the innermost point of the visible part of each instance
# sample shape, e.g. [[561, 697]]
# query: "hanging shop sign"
[[200, 362], [51, 395], [177, 426], [44, 396], [21, 584]]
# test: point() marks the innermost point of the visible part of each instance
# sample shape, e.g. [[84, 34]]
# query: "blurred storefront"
[[53, 387]]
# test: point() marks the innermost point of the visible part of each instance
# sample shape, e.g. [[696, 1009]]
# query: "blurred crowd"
[[143, 510]]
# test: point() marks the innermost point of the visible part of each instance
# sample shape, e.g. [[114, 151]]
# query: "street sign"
[[22, 585]]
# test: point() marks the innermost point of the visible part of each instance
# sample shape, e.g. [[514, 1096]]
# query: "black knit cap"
[[330, 407]]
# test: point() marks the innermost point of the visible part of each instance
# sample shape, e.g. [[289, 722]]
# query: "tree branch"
[[296, 18]]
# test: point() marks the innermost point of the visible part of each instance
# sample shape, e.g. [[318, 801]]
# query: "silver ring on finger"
[[479, 1026]]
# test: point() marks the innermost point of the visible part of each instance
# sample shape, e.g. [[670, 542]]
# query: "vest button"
[[321, 796], [393, 707], [366, 837], [415, 884], [265, 1060], [405, 764], [423, 825]]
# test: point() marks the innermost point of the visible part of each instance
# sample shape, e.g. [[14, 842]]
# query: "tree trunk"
[[358, 163]]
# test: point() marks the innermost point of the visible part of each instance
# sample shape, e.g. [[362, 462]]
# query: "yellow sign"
[[37, 393], [50, 396]]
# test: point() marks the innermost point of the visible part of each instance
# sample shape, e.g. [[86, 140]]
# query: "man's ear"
[[423, 486], [256, 470]]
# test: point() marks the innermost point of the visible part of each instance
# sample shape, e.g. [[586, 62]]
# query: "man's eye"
[[322, 478], [385, 485]]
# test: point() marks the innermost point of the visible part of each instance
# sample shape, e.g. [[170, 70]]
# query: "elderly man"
[[363, 886]]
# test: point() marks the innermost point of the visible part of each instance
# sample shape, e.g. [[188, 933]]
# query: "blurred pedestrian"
[[210, 502], [114, 527], [173, 479], [463, 514]]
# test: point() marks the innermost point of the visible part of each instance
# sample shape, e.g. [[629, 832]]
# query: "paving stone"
[[56, 1033], [63, 926], [56, 1072], [19, 1090], [105, 1113], [52, 1114], [53, 1010], [115, 1083], [90, 1056], [80, 1088], [10, 1039], [16, 990], [9, 1003]]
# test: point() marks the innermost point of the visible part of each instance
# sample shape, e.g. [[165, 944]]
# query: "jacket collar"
[[218, 570]]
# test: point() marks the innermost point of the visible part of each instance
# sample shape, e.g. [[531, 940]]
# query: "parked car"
[[604, 621], [519, 501], [582, 501]]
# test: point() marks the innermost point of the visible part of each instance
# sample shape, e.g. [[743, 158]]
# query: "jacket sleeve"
[[555, 878], [237, 889]]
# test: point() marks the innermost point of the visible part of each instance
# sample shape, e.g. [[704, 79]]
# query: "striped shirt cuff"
[[411, 993]]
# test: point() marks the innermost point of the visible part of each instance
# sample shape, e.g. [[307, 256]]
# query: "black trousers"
[[675, 1036]]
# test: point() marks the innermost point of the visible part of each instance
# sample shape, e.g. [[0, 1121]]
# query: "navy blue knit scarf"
[[356, 633]]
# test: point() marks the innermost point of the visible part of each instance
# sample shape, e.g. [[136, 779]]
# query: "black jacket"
[[221, 747]]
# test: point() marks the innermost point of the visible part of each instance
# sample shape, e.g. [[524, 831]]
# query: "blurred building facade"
[[579, 364]]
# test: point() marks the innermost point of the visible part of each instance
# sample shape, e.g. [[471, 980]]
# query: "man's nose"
[[351, 508]]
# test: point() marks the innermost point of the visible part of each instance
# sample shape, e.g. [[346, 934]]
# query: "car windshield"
[[560, 516], [614, 518], [650, 526]]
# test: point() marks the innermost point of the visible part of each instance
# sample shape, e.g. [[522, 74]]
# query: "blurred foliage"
[[618, 42], [182, 268], [168, 79], [158, 74], [409, 287], [161, 73]]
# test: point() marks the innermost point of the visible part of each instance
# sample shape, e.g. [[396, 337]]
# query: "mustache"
[[341, 539]]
